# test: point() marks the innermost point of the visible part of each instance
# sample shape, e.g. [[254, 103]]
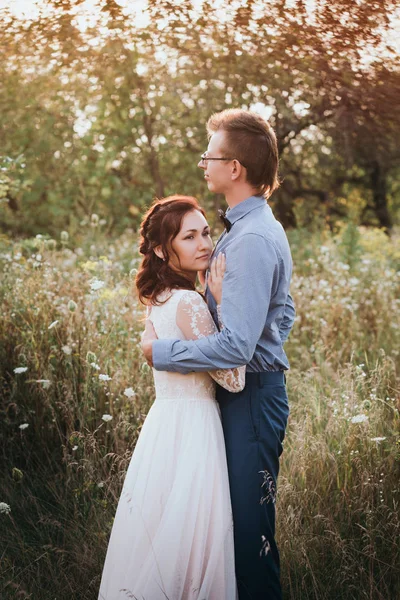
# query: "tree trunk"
[[153, 158], [379, 192]]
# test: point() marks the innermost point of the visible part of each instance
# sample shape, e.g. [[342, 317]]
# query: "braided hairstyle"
[[160, 226]]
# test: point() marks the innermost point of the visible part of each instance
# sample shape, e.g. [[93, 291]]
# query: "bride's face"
[[192, 246]]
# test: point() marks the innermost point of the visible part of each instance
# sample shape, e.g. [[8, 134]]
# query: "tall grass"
[[71, 324]]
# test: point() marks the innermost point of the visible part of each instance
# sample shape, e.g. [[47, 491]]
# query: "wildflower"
[[64, 236], [90, 265], [107, 294], [23, 426], [67, 350], [45, 383], [94, 220], [20, 370], [378, 439], [72, 306], [74, 448], [129, 393], [53, 324], [96, 284], [91, 357], [106, 418], [359, 418], [95, 366], [50, 244], [100, 484], [5, 508], [103, 377]]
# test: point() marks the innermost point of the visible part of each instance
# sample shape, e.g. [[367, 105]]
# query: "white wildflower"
[[103, 377], [96, 284], [23, 426], [129, 393], [74, 448], [95, 366], [5, 508], [45, 383], [64, 236], [359, 418], [67, 350], [106, 418], [20, 370], [378, 439], [100, 484], [53, 324]]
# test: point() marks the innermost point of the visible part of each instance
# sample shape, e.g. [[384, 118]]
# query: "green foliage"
[[109, 112]]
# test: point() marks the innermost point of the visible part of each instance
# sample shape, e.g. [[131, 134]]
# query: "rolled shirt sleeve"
[[288, 319]]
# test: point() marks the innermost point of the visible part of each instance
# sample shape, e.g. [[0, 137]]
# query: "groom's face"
[[217, 173]]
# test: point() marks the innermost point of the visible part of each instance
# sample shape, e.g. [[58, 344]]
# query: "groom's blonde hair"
[[252, 141]]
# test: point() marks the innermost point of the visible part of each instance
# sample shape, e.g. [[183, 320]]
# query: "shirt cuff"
[[162, 350]]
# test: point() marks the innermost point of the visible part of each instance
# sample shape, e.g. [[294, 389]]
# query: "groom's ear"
[[237, 170], [158, 252]]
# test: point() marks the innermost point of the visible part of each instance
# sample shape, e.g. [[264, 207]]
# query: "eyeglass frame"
[[204, 158]]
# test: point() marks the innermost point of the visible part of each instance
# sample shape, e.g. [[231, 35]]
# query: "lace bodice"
[[185, 315]]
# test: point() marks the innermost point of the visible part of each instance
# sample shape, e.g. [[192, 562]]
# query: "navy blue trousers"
[[254, 423]]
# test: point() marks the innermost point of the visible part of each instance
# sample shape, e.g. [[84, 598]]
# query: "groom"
[[241, 162]]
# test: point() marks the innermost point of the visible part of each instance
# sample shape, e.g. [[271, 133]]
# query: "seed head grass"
[[75, 391]]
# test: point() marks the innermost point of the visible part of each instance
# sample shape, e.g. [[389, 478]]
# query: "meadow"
[[75, 391]]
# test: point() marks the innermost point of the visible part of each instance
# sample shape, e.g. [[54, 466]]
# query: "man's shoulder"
[[261, 223], [262, 231]]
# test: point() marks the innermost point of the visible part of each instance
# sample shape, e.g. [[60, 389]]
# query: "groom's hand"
[[148, 337]]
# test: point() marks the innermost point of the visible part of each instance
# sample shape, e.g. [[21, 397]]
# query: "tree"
[[111, 114]]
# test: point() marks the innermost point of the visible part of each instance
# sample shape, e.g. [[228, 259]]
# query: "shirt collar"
[[243, 208]]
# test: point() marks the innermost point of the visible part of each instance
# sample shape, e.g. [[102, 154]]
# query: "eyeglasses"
[[205, 158]]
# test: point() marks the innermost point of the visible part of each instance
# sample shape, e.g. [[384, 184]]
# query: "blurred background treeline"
[[104, 104]]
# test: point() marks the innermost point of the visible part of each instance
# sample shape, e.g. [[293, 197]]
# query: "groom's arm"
[[251, 275], [288, 319]]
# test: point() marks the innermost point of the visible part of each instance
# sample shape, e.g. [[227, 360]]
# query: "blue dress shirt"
[[257, 309]]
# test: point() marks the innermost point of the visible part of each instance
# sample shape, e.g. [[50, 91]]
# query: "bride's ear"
[[158, 252]]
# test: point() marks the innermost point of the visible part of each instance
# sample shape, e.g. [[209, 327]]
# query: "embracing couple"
[[196, 517]]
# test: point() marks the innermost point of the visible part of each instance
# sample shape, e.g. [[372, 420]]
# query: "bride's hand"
[[216, 276]]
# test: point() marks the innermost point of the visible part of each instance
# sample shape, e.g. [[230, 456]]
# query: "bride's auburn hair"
[[159, 227]]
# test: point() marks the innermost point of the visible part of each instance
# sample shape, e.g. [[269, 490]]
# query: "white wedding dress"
[[172, 536]]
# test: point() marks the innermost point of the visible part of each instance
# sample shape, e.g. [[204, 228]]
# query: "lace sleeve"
[[195, 321]]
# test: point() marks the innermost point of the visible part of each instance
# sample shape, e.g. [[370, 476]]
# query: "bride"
[[172, 536]]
